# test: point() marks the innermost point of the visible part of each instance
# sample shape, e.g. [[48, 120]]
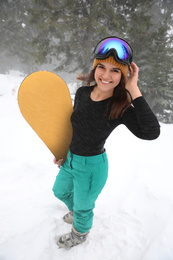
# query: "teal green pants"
[[78, 184]]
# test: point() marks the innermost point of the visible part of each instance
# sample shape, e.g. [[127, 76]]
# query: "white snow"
[[133, 215], [23, 25]]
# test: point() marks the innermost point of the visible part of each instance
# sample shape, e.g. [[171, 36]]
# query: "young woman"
[[114, 99]]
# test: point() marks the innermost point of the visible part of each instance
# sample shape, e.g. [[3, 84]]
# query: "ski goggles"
[[119, 48]]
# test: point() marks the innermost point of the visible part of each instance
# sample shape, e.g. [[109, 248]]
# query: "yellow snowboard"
[[45, 103]]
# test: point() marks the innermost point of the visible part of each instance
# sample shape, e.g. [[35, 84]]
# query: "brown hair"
[[121, 98]]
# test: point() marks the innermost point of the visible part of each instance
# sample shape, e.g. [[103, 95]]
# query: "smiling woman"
[[98, 110]]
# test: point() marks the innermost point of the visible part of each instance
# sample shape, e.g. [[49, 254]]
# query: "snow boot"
[[71, 239], [68, 218]]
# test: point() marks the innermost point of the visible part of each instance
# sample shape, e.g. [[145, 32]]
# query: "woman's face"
[[107, 76]]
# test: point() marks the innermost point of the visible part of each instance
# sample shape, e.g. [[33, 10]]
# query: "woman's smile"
[[105, 82]]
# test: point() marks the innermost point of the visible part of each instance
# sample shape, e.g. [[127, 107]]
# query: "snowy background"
[[133, 215]]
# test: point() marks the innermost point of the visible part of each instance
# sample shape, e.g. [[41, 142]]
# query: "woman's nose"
[[106, 74]]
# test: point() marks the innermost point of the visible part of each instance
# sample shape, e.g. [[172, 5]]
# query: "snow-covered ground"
[[133, 215]]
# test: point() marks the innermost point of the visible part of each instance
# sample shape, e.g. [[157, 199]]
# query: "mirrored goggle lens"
[[123, 49]]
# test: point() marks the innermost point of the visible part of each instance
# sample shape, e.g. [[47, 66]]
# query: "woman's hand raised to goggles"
[[131, 82]]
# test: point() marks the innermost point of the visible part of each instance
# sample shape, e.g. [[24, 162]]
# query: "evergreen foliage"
[[16, 35], [64, 33]]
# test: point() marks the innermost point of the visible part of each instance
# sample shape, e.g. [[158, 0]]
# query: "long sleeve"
[[141, 121]]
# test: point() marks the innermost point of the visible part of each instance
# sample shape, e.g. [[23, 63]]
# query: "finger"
[[134, 67], [59, 162], [130, 71], [54, 160]]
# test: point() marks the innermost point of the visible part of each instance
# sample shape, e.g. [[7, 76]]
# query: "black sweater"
[[91, 127]]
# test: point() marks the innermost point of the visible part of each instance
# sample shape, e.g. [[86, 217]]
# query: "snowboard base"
[[45, 103]]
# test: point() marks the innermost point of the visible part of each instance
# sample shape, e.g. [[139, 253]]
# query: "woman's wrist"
[[135, 93]]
